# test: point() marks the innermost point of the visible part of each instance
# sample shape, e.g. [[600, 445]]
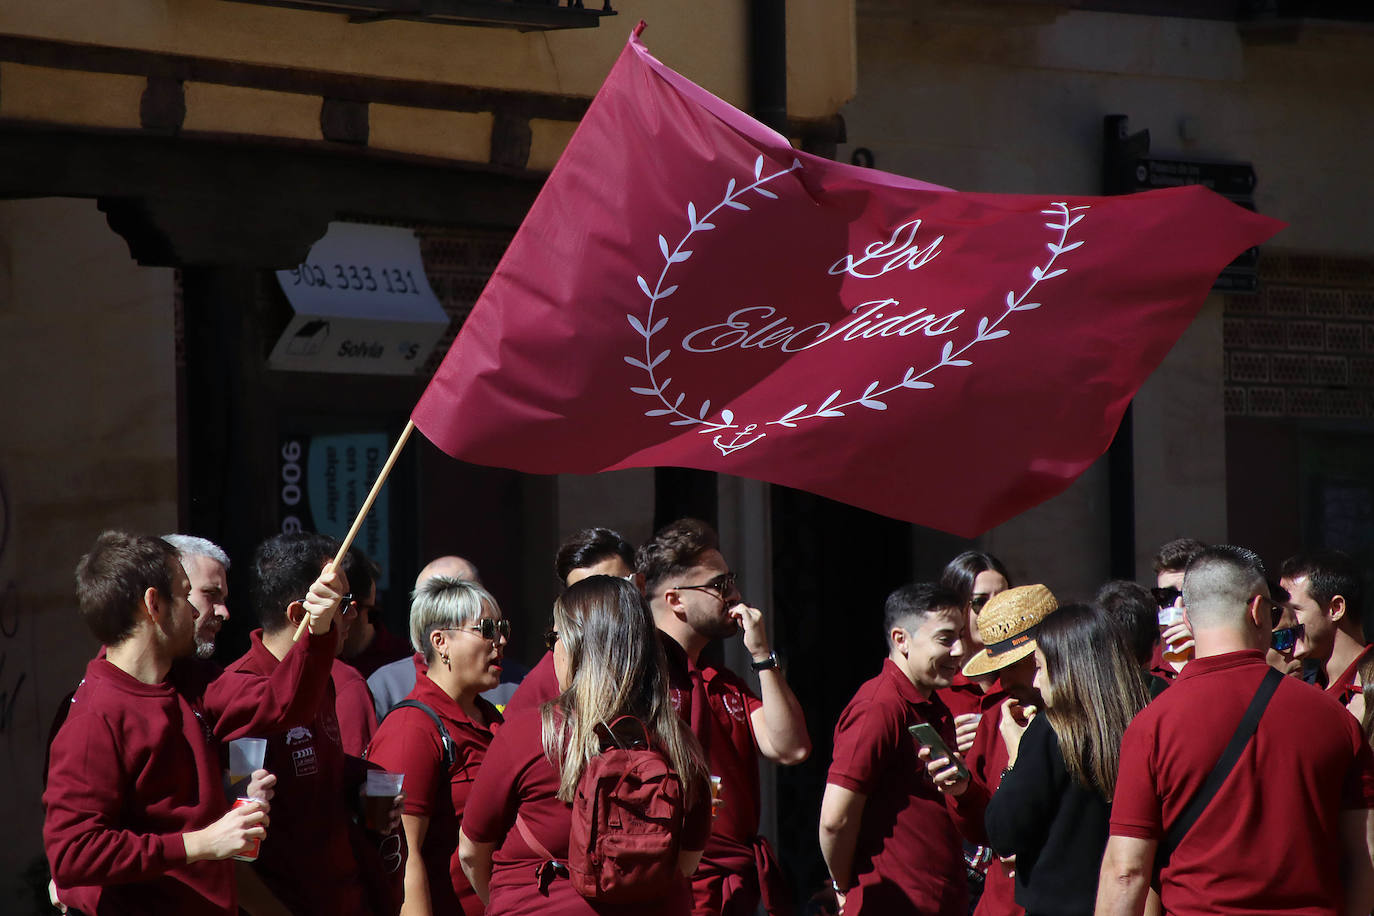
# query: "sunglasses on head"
[[1284, 640], [1166, 595]]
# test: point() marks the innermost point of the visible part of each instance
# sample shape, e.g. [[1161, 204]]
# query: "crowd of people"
[[1202, 746]]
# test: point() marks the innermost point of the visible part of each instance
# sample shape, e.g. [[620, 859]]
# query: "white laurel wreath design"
[[832, 406]]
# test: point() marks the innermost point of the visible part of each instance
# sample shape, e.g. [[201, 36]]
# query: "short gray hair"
[[188, 545], [443, 601]]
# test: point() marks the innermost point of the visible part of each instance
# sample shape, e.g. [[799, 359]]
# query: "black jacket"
[[1056, 828]]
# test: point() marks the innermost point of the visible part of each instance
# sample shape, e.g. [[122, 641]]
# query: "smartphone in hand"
[[926, 736]]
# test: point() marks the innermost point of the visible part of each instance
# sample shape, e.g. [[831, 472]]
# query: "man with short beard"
[[207, 565], [695, 602], [136, 817]]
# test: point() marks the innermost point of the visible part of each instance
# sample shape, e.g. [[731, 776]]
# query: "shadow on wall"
[[27, 891]]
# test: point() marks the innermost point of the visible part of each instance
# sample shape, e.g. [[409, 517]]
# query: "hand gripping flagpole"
[[362, 512]]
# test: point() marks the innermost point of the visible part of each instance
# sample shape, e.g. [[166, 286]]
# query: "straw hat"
[[1007, 625]]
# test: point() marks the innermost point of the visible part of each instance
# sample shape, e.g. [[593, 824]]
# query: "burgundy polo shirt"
[[731, 752], [536, 688], [408, 742], [1343, 688], [962, 696], [908, 857], [1270, 839], [353, 707], [987, 760], [1158, 666]]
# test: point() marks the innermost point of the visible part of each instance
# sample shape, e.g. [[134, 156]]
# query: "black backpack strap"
[[1225, 764], [450, 749]]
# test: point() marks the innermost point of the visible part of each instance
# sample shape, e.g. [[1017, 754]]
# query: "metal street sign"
[[1234, 179]]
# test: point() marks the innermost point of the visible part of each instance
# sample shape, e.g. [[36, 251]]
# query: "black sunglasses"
[[1275, 611], [1166, 595], [723, 585], [978, 602], [1284, 640], [487, 628]]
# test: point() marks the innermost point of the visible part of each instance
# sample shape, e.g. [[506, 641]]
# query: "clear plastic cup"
[[379, 795], [1168, 617], [246, 756]]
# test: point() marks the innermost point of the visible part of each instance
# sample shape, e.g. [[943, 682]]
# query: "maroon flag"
[[689, 290]]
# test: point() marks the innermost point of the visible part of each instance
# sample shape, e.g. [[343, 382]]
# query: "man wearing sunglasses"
[[696, 600], [1325, 589], [1244, 853], [1176, 639], [1283, 644]]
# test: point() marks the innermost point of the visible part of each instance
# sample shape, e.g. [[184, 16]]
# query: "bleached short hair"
[[443, 601]]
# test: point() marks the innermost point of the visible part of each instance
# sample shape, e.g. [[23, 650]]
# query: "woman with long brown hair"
[[1052, 809], [610, 664]]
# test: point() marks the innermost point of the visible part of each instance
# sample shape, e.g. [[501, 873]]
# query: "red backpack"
[[627, 819]]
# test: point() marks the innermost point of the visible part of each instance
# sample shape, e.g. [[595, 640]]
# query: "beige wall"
[[1007, 97], [88, 410], [705, 39], [1180, 444]]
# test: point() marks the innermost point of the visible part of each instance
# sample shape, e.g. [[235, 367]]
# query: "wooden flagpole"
[[362, 512]]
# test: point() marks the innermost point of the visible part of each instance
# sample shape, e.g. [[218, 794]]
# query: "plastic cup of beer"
[[245, 757], [379, 795], [1168, 617], [250, 854]]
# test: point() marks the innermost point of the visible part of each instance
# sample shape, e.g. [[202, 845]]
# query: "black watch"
[[770, 662]]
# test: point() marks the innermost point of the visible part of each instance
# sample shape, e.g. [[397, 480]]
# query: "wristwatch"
[[770, 662]]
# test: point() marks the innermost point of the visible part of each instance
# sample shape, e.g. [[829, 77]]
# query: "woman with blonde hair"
[[610, 664]]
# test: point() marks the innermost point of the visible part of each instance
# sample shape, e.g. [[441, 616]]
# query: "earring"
[[445, 656]]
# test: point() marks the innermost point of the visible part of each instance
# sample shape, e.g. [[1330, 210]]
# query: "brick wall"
[[1303, 347]]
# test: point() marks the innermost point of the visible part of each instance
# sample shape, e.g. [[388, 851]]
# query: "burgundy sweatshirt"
[[137, 765], [307, 860]]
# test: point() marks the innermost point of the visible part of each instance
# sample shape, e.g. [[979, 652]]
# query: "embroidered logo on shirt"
[[304, 761], [298, 735], [330, 725], [734, 705]]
